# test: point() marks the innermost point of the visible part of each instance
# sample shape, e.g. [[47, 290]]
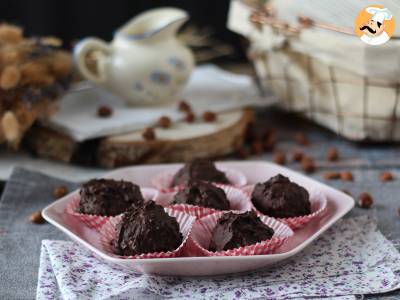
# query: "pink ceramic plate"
[[256, 171]]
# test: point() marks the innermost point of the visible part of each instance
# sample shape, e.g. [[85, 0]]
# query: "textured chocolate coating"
[[147, 229], [238, 230], [280, 198], [107, 197], [199, 169], [203, 194]]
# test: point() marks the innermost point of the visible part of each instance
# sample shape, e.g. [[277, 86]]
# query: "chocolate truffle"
[[147, 229], [108, 197], [238, 230], [199, 169], [280, 198], [203, 194]]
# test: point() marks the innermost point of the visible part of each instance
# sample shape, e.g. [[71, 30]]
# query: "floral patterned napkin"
[[351, 258]]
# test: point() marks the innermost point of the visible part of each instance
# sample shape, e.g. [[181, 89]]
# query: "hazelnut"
[[298, 155], [189, 117], [398, 211], [164, 122], [149, 134], [302, 139], [308, 165], [104, 111], [386, 176], [60, 191], [331, 175], [184, 106], [279, 158], [332, 154], [346, 176], [209, 116], [36, 218], [365, 200], [257, 147]]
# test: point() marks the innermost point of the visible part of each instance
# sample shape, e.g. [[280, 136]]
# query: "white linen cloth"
[[351, 258], [209, 88]]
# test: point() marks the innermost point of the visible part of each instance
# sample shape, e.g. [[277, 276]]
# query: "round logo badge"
[[375, 25]]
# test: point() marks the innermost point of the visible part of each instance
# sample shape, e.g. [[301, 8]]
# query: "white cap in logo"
[[379, 14]]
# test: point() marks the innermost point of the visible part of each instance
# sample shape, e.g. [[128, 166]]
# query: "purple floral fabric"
[[351, 258]]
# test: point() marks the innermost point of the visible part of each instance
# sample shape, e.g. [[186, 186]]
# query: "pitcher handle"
[[82, 49]]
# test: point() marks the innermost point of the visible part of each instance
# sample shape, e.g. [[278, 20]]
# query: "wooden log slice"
[[181, 142]]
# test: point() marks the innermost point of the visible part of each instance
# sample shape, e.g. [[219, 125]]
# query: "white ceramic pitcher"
[[145, 63]]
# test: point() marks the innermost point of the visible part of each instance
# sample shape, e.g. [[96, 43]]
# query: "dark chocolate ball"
[[280, 198], [199, 169], [202, 194], [108, 197], [238, 230], [147, 229]]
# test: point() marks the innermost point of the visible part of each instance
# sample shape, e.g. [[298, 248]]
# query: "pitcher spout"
[[160, 22]]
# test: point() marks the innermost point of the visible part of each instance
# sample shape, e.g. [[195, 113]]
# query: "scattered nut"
[[104, 111], [331, 175], [346, 176], [386, 176], [279, 158], [60, 191], [308, 165], [164, 122], [209, 116], [302, 139], [190, 117], [184, 106], [149, 134], [332, 154], [298, 155], [257, 147], [398, 211], [36, 218], [365, 200]]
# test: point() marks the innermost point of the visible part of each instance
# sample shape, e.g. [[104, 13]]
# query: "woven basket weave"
[[354, 106]]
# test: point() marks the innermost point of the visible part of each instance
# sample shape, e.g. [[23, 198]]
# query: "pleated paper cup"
[[319, 204], [163, 181], [238, 201], [201, 235], [96, 221], [108, 233]]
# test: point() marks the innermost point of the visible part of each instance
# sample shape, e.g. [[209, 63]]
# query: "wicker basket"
[[336, 95]]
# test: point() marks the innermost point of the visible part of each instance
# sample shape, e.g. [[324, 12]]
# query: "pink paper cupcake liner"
[[95, 221], [238, 200], [202, 233], [108, 233], [319, 204], [162, 181]]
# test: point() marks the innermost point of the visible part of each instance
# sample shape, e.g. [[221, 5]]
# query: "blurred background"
[[73, 20]]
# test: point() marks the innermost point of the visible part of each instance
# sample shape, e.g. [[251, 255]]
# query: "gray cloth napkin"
[[20, 241]]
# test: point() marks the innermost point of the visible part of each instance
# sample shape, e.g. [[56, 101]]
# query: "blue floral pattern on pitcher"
[[160, 77], [177, 63]]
